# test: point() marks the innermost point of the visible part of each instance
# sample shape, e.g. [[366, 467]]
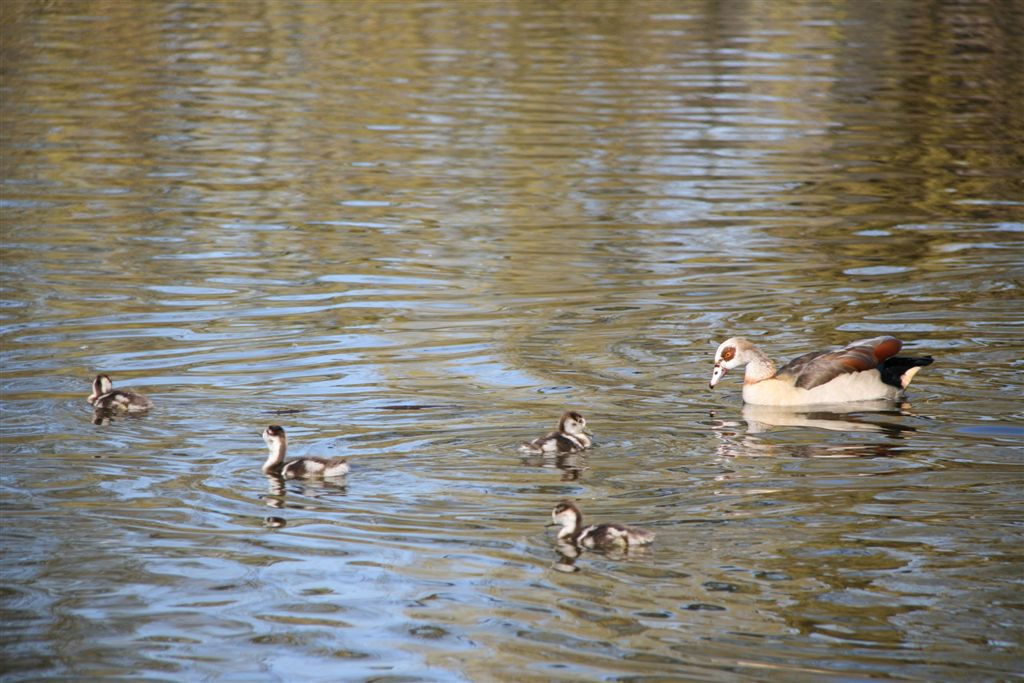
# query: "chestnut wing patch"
[[820, 367]]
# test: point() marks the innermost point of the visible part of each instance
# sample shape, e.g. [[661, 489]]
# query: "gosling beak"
[[717, 374]]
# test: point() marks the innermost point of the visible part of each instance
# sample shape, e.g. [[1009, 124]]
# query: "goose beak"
[[552, 524], [717, 374]]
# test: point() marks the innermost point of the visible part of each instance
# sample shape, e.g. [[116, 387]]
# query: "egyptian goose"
[[866, 370]]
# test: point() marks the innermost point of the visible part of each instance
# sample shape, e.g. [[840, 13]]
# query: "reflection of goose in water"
[[748, 438], [300, 468], [756, 446], [865, 370], [571, 436], [599, 536], [105, 399], [845, 417]]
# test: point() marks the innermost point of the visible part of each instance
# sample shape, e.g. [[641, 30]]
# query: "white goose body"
[[571, 436], [598, 536], [300, 468], [105, 399], [865, 370]]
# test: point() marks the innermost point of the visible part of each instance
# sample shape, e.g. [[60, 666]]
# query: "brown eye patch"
[[728, 352]]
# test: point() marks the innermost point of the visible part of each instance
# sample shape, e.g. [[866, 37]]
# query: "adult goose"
[[865, 370]]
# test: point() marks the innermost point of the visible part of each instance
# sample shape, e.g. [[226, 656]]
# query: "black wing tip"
[[908, 362]]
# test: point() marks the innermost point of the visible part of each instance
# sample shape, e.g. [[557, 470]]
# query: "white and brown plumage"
[[300, 468], [105, 398], [571, 436], [865, 370], [600, 536]]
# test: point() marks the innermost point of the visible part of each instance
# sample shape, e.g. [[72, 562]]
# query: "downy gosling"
[[570, 437], [300, 468], [598, 536], [105, 398]]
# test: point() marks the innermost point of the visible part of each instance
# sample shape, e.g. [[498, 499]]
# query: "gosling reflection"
[[567, 553], [104, 417], [571, 464], [277, 491]]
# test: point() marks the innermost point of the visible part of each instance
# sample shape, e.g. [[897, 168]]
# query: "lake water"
[[413, 234]]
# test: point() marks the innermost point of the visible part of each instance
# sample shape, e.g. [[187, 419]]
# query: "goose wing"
[[820, 367]]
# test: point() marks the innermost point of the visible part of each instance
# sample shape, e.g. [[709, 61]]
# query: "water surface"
[[413, 234]]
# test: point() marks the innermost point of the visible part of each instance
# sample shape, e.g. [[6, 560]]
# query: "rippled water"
[[414, 233]]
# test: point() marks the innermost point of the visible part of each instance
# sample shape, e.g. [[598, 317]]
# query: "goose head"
[[732, 353]]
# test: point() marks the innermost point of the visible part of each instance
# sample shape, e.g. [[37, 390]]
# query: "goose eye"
[[728, 353]]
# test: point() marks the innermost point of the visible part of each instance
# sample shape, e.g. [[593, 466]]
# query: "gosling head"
[[573, 423], [567, 516], [274, 437], [100, 386]]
